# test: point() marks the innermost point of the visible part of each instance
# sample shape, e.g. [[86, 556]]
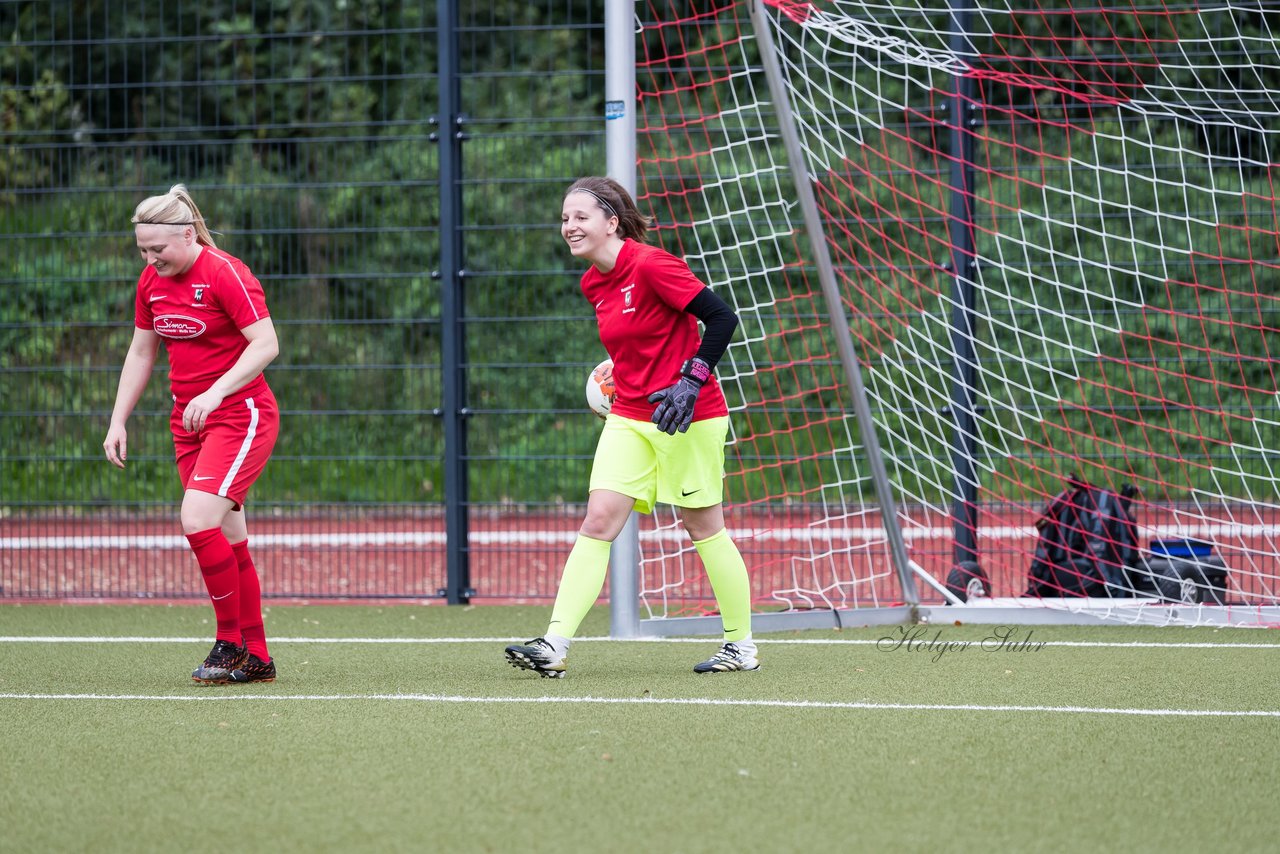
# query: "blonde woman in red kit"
[[209, 311]]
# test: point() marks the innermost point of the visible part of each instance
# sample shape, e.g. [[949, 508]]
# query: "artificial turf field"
[[402, 729]]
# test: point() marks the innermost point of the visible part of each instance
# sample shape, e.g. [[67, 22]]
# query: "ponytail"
[[176, 208], [612, 198]]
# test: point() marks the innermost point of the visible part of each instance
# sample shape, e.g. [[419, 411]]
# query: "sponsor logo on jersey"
[[178, 326]]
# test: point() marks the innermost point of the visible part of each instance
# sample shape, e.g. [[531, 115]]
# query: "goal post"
[[620, 146], [998, 250]]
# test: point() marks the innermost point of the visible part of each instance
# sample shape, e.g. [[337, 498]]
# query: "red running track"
[[518, 556]]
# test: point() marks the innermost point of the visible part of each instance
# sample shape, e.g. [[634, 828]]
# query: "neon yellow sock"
[[728, 575], [580, 585]]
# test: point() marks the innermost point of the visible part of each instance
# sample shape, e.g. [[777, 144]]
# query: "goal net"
[[1055, 234]]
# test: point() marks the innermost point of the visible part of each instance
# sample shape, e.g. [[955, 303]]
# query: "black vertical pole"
[[452, 311], [961, 121]]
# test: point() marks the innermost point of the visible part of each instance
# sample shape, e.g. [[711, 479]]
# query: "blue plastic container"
[[1181, 547]]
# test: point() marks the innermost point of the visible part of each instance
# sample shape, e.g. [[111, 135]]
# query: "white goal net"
[[1055, 231]]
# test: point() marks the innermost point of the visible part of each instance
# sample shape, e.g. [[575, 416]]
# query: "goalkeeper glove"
[[675, 403]]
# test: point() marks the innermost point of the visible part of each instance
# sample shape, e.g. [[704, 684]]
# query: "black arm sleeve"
[[719, 321]]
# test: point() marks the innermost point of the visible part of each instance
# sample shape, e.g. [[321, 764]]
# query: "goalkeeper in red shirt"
[[210, 312], [663, 440]]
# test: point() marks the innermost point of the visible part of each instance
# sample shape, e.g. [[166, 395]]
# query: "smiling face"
[[170, 249], [590, 232]]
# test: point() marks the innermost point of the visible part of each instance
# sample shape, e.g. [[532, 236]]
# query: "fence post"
[[452, 275]]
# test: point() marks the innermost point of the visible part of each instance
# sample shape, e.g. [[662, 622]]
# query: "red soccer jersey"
[[645, 330], [199, 315]]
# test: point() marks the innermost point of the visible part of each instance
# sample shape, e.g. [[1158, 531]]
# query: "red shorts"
[[226, 457]]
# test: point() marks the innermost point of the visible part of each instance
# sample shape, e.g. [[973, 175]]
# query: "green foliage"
[[304, 129], [28, 120]]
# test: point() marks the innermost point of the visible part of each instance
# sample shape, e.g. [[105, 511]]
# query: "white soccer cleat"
[[539, 656], [729, 658]]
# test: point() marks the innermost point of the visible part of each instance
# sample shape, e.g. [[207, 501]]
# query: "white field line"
[[817, 533], [650, 701], [922, 639]]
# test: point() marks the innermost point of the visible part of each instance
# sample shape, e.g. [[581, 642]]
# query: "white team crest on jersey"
[[626, 298]]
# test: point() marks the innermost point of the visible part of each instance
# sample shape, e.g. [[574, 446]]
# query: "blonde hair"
[[173, 208]]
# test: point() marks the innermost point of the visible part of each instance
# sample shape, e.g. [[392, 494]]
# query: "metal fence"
[[428, 386], [392, 172]]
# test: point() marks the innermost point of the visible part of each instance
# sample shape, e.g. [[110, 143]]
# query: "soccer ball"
[[600, 391]]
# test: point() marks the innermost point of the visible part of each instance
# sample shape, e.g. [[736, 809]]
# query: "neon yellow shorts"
[[637, 459]]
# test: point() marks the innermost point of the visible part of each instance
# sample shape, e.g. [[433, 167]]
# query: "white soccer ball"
[[600, 391]]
